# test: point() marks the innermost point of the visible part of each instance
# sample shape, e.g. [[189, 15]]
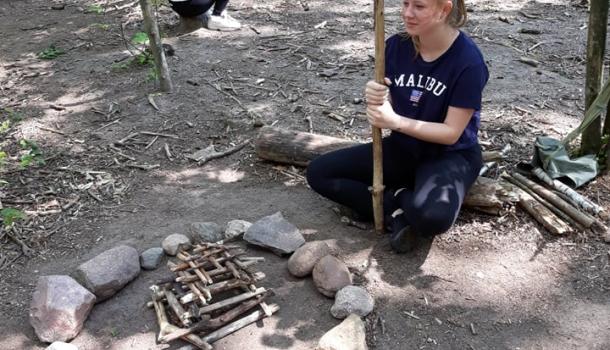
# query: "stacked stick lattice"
[[210, 294]]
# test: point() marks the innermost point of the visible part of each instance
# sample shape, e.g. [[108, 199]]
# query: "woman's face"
[[422, 16]]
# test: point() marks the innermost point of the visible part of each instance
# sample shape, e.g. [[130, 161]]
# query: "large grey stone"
[[352, 300], [172, 243], [150, 258], [59, 308], [205, 232], [303, 260], [275, 233], [236, 228], [110, 271], [59, 345], [348, 335], [330, 274]]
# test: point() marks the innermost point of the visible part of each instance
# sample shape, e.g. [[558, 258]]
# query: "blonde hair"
[[457, 18]]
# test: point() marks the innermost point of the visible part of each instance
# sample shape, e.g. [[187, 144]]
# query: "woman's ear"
[[446, 9]]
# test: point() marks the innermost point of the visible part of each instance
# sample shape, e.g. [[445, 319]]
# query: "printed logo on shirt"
[[428, 83], [415, 96]]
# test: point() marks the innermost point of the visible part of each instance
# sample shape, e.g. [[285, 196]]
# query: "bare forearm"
[[440, 133]]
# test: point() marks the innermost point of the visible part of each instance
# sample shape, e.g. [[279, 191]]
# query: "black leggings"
[[194, 8], [434, 185]]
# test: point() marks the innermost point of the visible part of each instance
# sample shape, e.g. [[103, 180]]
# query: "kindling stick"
[[377, 189]]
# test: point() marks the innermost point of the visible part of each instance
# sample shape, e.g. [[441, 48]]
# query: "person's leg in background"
[[213, 13]]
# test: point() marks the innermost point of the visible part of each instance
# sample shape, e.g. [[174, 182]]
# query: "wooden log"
[[299, 148], [582, 218], [230, 301], [543, 215], [214, 323], [239, 324], [166, 327], [175, 306], [294, 147], [575, 198], [563, 216], [150, 24]]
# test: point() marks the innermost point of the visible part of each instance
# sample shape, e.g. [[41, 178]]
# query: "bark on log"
[[574, 197], [563, 216], [541, 213], [299, 148], [582, 218]]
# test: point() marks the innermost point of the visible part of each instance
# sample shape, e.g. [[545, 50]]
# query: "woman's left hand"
[[383, 116]]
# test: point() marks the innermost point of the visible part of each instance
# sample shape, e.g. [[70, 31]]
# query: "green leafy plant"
[[50, 53], [11, 215], [97, 9], [140, 38], [33, 155]]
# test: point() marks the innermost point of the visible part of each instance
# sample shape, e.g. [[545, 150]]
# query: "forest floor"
[[489, 283]]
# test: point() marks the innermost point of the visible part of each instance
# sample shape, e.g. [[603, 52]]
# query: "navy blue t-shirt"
[[424, 90]]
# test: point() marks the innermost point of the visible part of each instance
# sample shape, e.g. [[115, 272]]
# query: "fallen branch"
[[541, 213], [582, 218], [575, 197], [544, 202], [212, 154]]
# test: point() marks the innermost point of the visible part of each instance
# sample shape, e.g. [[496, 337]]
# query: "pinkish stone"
[[330, 274], [59, 308]]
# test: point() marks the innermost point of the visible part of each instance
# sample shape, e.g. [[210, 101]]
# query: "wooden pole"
[[377, 189], [150, 24], [596, 44]]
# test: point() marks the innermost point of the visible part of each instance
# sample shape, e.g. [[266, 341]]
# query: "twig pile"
[[212, 287]]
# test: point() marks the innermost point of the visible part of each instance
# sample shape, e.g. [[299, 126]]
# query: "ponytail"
[[457, 17]]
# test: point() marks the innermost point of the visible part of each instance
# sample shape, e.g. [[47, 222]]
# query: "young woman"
[[213, 13], [436, 75]]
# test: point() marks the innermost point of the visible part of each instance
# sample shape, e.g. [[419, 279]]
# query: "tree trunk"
[[156, 47], [596, 44]]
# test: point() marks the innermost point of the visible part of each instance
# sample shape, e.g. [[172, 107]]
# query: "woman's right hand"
[[376, 94]]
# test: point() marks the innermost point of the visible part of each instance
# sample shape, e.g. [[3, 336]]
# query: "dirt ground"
[[489, 283]]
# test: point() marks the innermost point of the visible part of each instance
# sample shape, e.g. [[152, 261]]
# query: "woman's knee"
[[315, 174]]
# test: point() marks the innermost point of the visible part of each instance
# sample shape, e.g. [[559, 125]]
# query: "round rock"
[[303, 260], [172, 243], [330, 275], [352, 300], [150, 258], [205, 232]]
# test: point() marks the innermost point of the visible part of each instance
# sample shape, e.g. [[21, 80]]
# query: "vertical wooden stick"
[[150, 24], [377, 150]]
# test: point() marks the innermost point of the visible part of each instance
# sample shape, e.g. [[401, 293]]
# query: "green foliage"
[[140, 38], [5, 126], [153, 75], [144, 59], [12, 115], [3, 157], [50, 53], [10, 215], [97, 9], [33, 155]]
